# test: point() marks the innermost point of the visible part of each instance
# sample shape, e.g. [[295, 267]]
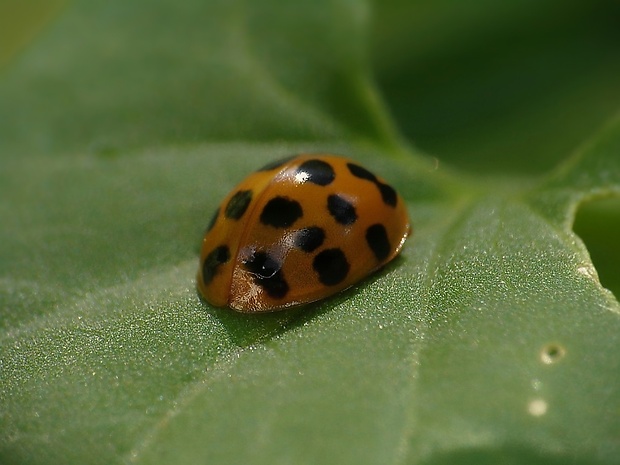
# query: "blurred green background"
[[510, 87]]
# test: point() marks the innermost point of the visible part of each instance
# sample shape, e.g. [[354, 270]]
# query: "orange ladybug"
[[299, 230]]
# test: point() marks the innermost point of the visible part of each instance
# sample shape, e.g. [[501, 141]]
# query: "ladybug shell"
[[297, 231]]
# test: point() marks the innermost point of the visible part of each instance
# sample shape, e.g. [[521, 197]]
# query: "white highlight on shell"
[[301, 177]]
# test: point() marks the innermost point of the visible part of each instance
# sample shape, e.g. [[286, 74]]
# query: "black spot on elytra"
[[377, 239], [267, 274], [361, 172], [309, 239], [332, 266], [216, 257], [388, 194], [341, 209], [276, 164], [281, 212], [238, 204], [317, 172], [213, 220]]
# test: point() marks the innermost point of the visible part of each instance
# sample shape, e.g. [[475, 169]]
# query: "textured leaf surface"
[[490, 340]]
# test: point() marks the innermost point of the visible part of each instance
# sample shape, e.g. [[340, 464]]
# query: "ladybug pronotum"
[[299, 230]]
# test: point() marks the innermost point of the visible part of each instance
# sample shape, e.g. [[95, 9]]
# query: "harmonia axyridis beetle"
[[299, 230]]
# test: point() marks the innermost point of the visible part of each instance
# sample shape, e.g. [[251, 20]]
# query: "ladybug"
[[299, 230]]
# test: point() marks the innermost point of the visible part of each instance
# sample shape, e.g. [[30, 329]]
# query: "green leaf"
[[186, 74], [489, 340], [593, 171]]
